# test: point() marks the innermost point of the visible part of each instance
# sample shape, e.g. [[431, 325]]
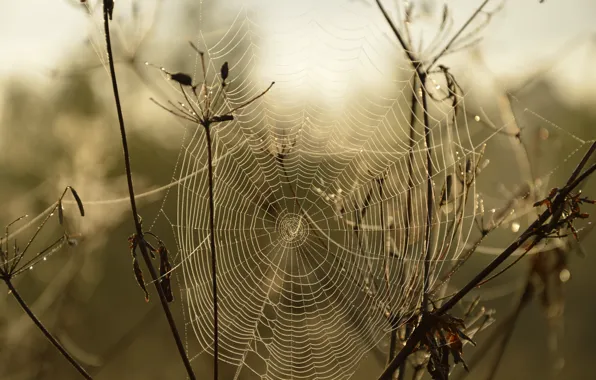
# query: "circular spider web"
[[320, 191]]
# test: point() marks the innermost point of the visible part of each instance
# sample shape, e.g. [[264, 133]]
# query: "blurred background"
[[58, 127]]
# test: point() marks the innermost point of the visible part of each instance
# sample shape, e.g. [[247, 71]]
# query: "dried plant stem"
[[426, 322], [413, 111], [458, 34], [412, 126], [429, 194], [421, 74], [413, 340], [413, 60], [213, 256], [500, 335], [142, 245], [530, 231], [45, 331]]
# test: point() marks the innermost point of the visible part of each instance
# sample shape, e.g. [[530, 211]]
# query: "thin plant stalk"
[[458, 34], [213, 256], [421, 74], [412, 125], [429, 195], [107, 12], [45, 331]]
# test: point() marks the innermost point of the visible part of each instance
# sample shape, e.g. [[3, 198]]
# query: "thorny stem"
[[107, 4], [43, 329], [213, 256]]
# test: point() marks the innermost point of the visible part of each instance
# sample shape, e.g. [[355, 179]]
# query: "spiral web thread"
[[317, 258]]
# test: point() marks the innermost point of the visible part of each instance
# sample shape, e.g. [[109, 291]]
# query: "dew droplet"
[[564, 275], [515, 227]]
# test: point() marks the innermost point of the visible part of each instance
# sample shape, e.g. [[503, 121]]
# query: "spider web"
[[319, 255]]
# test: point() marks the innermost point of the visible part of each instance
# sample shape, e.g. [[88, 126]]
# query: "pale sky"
[[524, 36]]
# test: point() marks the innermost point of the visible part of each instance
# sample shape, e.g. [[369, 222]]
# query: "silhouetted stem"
[[557, 205], [135, 215], [213, 256], [413, 60], [45, 332], [429, 195], [458, 34]]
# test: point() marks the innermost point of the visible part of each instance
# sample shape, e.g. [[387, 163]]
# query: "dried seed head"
[[108, 6], [183, 79], [224, 72], [78, 200], [219, 119]]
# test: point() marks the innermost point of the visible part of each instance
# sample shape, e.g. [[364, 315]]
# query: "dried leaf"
[[165, 272], [139, 277], [78, 200], [133, 243], [456, 349], [444, 17]]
